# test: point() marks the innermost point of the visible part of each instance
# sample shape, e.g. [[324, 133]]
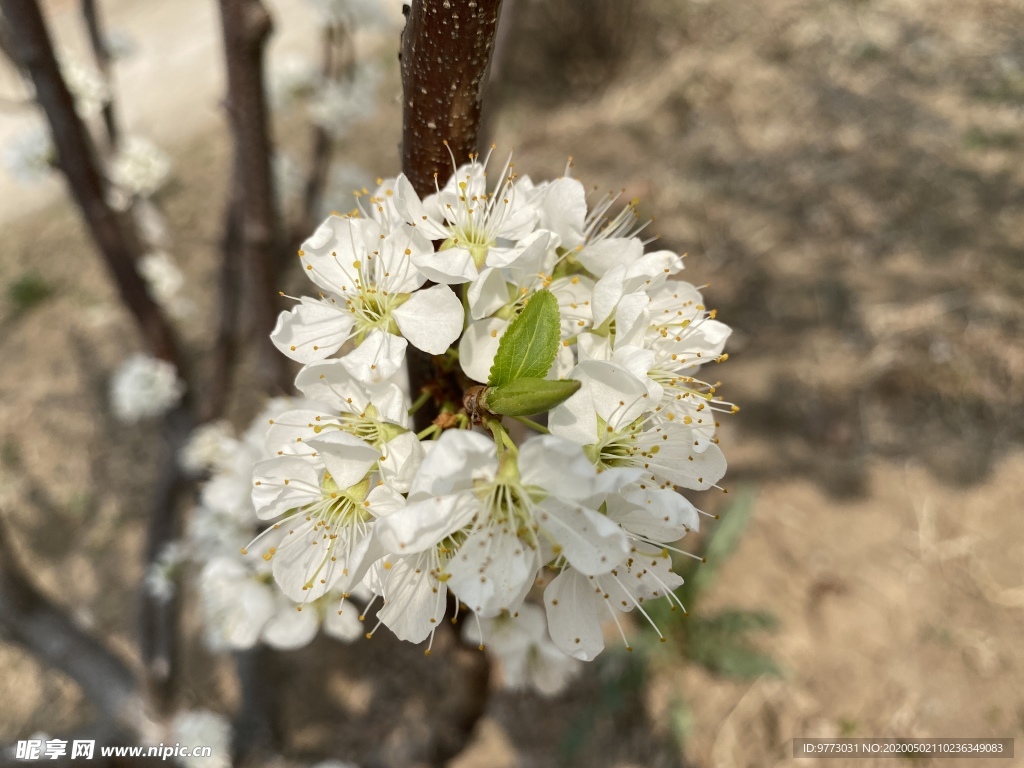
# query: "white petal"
[[311, 330], [329, 254], [303, 566], [454, 462], [575, 419], [573, 603], [346, 457], [401, 460], [378, 357], [289, 431], [478, 346], [422, 524], [590, 346], [619, 397], [564, 209], [284, 483], [603, 255], [487, 294], [591, 542], [492, 571], [450, 266], [343, 623], [657, 514], [432, 319], [290, 628], [414, 601], [329, 381], [676, 460], [557, 465]]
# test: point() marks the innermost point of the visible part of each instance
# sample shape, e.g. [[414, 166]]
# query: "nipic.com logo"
[[53, 749]]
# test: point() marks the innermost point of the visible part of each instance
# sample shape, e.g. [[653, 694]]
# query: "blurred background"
[[846, 177]]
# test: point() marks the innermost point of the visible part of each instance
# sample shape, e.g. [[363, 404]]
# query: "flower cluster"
[[532, 301], [240, 604]]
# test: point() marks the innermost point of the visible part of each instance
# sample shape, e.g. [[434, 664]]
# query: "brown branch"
[[159, 619], [32, 620], [446, 50], [77, 159], [246, 26], [229, 290], [101, 52], [257, 726]]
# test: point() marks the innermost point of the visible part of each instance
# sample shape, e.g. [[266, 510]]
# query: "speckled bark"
[[446, 53]]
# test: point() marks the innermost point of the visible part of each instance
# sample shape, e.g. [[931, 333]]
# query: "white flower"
[[613, 417], [236, 604], [161, 578], [88, 88], [206, 446], [140, 168], [165, 282], [338, 105], [201, 727], [329, 506], [360, 13], [491, 525], [577, 603], [370, 296], [30, 156], [144, 387], [478, 227], [529, 659], [292, 77], [377, 413]]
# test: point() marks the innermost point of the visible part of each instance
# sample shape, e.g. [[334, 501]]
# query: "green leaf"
[[525, 397], [530, 342]]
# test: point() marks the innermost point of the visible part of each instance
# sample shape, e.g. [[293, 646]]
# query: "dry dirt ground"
[[847, 177]]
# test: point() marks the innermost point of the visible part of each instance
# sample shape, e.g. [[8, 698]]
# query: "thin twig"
[[229, 290], [77, 159], [246, 26], [159, 618], [101, 52]]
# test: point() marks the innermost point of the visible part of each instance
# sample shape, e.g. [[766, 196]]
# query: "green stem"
[[420, 401], [532, 424], [433, 428]]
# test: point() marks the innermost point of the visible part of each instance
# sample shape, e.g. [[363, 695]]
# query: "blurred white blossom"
[[337, 105], [87, 86], [30, 155], [165, 283], [140, 168], [143, 387], [200, 727]]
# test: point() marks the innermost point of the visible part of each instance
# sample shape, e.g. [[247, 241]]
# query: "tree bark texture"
[[77, 159], [446, 51], [445, 57]]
